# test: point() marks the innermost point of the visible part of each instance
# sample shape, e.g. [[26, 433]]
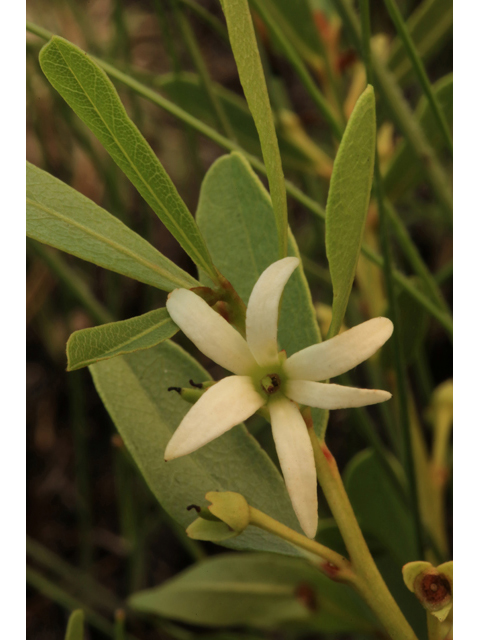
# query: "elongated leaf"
[[347, 204], [258, 590], [380, 510], [429, 26], [134, 390], [61, 217], [90, 93], [88, 346], [75, 626], [186, 90], [404, 170], [250, 70], [236, 219]]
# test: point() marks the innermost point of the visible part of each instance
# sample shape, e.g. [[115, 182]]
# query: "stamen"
[[271, 383]]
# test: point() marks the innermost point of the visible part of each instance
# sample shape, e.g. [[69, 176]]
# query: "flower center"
[[270, 383], [436, 590]]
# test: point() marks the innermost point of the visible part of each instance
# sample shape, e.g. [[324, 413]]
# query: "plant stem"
[[434, 627], [419, 68], [398, 356], [333, 563], [315, 208], [368, 581]]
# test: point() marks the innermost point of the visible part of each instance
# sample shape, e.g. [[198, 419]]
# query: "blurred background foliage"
[[95, 533]]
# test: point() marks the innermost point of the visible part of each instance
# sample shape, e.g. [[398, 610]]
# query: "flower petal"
[[296, 459], [210, 332], [332, 396], [223, 406], [340, 354], [262, 310]]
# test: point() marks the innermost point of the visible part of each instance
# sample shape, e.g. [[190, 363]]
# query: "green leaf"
[[429, 26], [186, 90], [61, 217], [236, 218], [91, 94], [88, 346], [258, 590], [237, 221], [404, 170], [134, 389], [245, 50], [381, 511], [75, 626], [347, 204]]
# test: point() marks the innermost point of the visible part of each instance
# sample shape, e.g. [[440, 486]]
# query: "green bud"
[[231, 508], [226, 517]]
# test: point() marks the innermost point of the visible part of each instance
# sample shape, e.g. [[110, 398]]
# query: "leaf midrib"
[[132, 164], [105, 354], [255, 588], [118, 247]]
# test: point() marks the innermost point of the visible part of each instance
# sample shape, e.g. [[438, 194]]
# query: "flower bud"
[[229, 516], [432, 586], [231, 508]]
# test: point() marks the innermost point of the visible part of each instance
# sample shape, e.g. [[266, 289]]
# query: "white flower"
[[265, 377]]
